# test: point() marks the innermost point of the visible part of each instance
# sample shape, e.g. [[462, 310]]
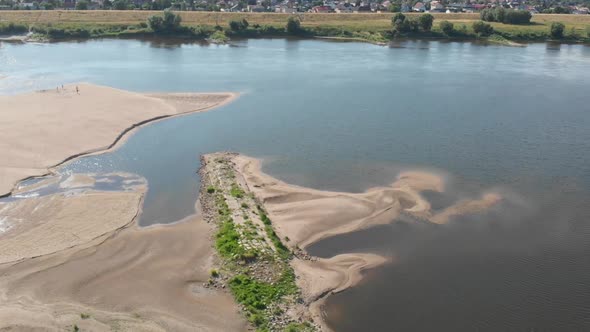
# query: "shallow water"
[[348, 116]]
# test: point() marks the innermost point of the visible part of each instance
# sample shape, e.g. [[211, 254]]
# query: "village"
[[302, 6]]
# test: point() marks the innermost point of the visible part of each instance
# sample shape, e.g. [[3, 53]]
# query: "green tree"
[[499, 14], [120, 5], [156, 23], [482, 29], [426, 22], [446, 27], [293, 25], [557, 30], [395, 8], [82, 5], [169, 22], [398, 21]]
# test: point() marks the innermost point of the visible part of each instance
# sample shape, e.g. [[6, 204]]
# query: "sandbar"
[[45, 128]]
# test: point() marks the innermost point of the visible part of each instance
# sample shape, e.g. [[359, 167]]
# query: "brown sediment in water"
[[43, 129], [305, 216]]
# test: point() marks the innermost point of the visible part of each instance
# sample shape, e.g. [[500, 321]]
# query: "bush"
[[482, 29], [426, 22], [238, 25], [517, 17], [557, 30], [210, 189], [446, 27], [293, 25], [13, 28]]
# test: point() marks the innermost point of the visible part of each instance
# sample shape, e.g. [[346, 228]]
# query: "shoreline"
[[120, 137], [490, 40]]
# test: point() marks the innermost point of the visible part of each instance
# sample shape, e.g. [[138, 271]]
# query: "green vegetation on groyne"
[[254, 262]]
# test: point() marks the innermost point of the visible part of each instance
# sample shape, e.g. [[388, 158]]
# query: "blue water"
[[347, 116]]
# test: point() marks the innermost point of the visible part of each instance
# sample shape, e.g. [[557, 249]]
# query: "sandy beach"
[[43, 129]]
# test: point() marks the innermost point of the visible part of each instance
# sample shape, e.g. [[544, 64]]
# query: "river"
[[349, 116]]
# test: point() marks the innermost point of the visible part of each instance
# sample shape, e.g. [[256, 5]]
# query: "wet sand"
[[43, 129], [130, 280]]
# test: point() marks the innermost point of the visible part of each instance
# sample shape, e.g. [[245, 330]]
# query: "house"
[[285, 9], [436, 6], [419, 7], [343, 8], [256, 8], [479, 7], [362, 9], [321, 9]]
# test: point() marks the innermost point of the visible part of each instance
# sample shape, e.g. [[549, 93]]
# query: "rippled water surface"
[[348, 116]]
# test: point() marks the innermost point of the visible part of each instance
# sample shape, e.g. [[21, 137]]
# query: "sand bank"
[[129, 279], [43, 129], [308, 215], [44, 225]]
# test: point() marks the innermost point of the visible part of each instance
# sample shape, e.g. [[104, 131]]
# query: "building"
[[321, 9], [419, 7]]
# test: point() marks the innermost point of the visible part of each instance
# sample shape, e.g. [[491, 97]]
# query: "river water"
[[348, 116]]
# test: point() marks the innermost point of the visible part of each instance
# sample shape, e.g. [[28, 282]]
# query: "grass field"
[[370, 22]]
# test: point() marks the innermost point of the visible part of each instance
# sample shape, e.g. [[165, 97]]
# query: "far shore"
[[45, 129], [55, 25]]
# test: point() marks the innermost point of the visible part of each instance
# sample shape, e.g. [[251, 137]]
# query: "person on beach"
[[77, 91]]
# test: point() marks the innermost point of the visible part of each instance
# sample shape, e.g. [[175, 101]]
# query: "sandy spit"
[[307, 215], [45, 128]]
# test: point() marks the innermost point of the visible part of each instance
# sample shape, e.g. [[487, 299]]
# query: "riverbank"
[[255, 208], [374, 27], [39, 127]]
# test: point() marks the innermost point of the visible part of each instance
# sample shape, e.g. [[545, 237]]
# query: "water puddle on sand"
[[74, 183]]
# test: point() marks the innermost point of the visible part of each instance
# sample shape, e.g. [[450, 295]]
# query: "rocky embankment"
[[254, 262]]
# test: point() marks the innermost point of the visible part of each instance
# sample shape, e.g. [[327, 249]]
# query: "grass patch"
[[236, 191], [210, 190], [299, 327], [282, 251], [227, 240], [257, 296]]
